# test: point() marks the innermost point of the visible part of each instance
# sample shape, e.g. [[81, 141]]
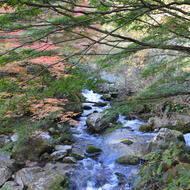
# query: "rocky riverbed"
[[83, 156]]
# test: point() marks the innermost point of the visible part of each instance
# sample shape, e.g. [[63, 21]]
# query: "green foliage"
[[150, 176]]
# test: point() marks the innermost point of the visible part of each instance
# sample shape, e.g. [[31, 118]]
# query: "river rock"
[[76, 156], [145, 128], [69, 160], [92, 149], [176, 121], [7, 168], [164, 138], [57, 155], [128, 159], [97, 122], [47, 180], [127, 142], [67, 148], [33, 147], [86, 107], [23, 176]]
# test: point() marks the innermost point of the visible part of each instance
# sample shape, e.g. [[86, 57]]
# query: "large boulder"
[[33, 147], [7, 168], [176, 121], [48, 180], [23, 176], [164, 138], [97, 122]]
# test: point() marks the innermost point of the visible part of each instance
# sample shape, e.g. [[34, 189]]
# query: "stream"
[[101, 172]]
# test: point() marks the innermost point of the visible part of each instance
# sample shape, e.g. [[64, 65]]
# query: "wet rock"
[[67, 148], [128, 159], [33, 147], [57, 155], [92, 149], [121, 178], [69, 160], [145, 128], [92, 155], [99, 121], [76, 156], [164, 138], [127, 142], [48, 180], [23, 176], [7, 168], [85, 107]]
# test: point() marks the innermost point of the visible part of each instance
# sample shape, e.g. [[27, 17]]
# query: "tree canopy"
[[63, 36]]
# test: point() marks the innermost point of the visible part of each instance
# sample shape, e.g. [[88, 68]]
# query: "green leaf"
[[170, 161]]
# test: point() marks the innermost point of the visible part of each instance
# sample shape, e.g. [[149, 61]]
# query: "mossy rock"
[[49, 179], [31, 149], [76, 156], [92, 155], [92, 149], [66, 137], [185, 128], [127, 142], [128, 159], [145, 128], [77, 108]]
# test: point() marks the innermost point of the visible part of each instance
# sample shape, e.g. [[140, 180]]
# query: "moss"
[[127, 142], [76, 156], [113, 129], [128, 159], [145, 128], [92, 149]]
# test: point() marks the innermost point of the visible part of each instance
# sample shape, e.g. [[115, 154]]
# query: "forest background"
[[51, 50]]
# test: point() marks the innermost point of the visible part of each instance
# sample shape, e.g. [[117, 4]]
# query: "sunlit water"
[[99, 173]]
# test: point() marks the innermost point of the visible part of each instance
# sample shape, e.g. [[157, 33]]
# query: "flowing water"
[[102, 172]]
